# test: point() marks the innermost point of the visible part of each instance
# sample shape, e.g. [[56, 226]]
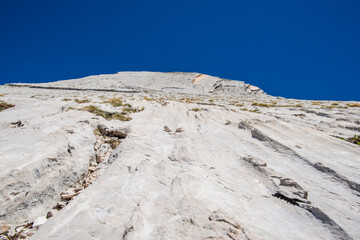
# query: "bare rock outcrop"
[[200, 158]]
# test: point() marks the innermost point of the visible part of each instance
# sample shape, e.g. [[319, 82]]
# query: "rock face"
[[207, 158], [154, 82]]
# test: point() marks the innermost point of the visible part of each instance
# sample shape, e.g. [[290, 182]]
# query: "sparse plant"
[[66, 99], [97, 132], [196, 109], [355, 139]]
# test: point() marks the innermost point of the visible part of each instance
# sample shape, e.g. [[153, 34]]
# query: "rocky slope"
[[141, 155]]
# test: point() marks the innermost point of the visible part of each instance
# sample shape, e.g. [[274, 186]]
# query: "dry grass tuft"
[[196, 109], [149, 99], [4, 105], [115, 102], [261, 105], [353, 104], [107, 115], [81, 101]]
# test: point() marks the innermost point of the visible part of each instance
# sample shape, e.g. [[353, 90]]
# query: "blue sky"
[[295, 49]]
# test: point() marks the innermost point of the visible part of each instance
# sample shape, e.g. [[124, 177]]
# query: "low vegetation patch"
[[82, 101], [262, 105], [148, 99], [107, 115], [4, 105], [253, 110], [353, 104], [115, 102], [355, 139], [195, 109], [131, 109]]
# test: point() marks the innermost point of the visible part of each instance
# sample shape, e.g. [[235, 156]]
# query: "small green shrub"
[[355, 139]]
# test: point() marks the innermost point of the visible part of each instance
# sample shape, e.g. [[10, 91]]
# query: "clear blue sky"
[[297, 49]]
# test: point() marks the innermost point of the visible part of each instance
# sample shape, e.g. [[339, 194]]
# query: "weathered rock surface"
[[222, 161], [151, 82]]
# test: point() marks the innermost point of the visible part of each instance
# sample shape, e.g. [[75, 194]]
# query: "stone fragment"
[[114, 143], [102, 129], [16, 124], [118, 132], [255, 161], [102, 152], [49, 214], [68, 195], [39, 221], [93, 169], [179, 130], [289, 183], [59, 205], [243, 125]]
